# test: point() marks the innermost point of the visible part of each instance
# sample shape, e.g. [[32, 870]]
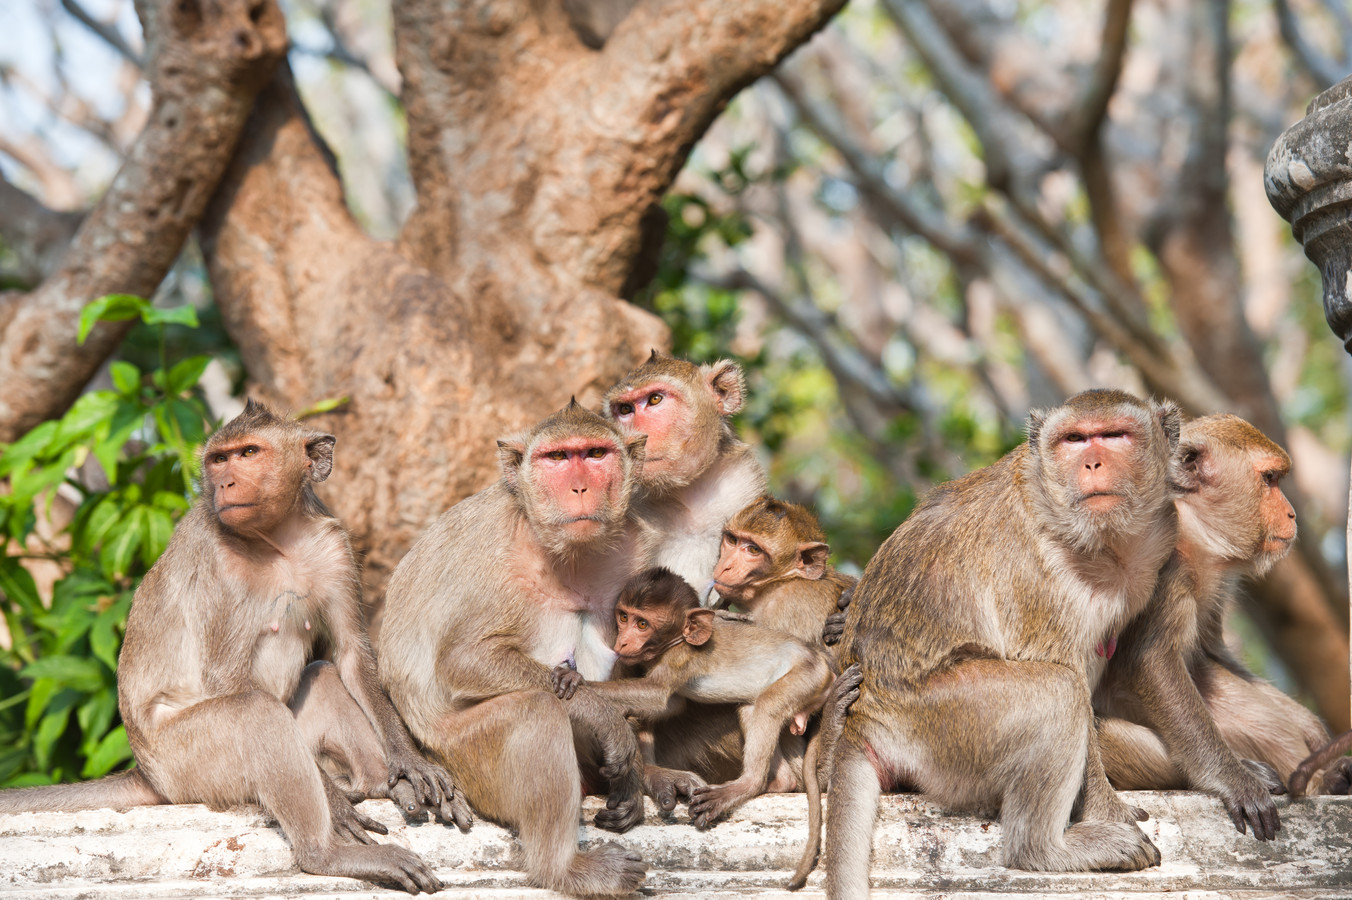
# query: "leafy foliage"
[[127, 457]]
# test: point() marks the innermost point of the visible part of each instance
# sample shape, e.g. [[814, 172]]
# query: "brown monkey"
[[505, 585], [774, 564], [213, 687], [975, 626], [696, 473], [686, 652], [1180, 711]]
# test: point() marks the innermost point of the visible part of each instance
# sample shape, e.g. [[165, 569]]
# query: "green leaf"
[[126, 378], [27, 447], [185, 374], [117, 552], [110, 308], [174, 315], [52, 726], [84, 675], [95, 716], [103, 638], [158, 527], [18, 585], [43, 690], [323, 406], [102, 518], [85, 416], [112, 750]]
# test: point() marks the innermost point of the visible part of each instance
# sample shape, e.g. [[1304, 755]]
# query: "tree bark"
[[209, 61]]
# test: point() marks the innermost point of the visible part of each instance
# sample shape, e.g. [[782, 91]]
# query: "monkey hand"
[[348, 824], [565, 680], [712, 803], [1247, 801], [834, 629], [1338, 777], [431, 787], [668, 787], [624, 805]]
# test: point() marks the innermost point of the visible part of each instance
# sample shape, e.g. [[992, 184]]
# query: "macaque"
[[686, 652], [1180, 711], [975, 626], [774, 565], [508, 583], [213, 684], [696, 473]]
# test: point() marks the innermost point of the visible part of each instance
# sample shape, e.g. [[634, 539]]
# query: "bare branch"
[[1091, 107], [1325, 71], [110, 35], [37, 236], [205, 74]]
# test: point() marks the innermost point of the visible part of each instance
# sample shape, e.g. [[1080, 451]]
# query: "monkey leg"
[[1258, 721], [514, 758], [248, 748], [703, 738], [338, 732], [1136, 759]]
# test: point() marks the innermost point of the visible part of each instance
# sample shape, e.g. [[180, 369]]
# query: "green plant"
[[58, 712]]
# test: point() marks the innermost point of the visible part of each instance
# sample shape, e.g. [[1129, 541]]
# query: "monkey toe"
[[455, 810], [609, 869]]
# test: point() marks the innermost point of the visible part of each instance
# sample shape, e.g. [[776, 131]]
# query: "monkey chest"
[[283, 644]]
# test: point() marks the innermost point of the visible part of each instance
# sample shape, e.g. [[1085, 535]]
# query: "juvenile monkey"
[[696, 473], [975, 626], [686, 652], [219, 704], [506, 584], [774, 564], [1180, 710]]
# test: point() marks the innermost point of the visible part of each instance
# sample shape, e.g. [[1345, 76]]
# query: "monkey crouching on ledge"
[[686, 652], [213, 683], [1178, 709], [975, 625]]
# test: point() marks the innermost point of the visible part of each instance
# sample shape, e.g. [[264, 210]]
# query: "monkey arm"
[[649, 698]]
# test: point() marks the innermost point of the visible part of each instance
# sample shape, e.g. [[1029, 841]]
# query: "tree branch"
[[1324, 71], [37, 236], [110, 36], [208, 63]]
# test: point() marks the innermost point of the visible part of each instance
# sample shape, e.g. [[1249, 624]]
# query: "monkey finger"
[[405, 796], [456, 811], [428, 882], [369, 824]]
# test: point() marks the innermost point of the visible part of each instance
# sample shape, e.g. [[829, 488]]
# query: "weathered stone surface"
[[175, 851], [1308, 176]]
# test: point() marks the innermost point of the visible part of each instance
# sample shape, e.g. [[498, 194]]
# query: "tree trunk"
[[540, 164]]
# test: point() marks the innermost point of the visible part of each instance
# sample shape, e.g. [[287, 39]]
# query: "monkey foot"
[[709, 804], [610, 869], [668, 787], [624, 808], [381, 863]]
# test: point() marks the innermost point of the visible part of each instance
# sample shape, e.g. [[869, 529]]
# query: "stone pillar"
[[1308, 177]]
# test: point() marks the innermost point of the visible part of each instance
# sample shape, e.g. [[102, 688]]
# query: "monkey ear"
[[812, 560], [699, 626], [511, 453], [1170, 418], [1036, 419], [637, 445], [728, 384], [1192, 467], [319, 447], [655, 355]]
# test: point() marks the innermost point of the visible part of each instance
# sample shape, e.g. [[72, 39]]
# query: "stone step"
[[178, 851]]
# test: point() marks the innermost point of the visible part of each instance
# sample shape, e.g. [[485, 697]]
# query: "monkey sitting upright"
[[686, 652], [219, 704], [1179, 711]]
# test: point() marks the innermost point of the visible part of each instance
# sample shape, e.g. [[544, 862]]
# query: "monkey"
[[975, 624], [684, 651], [1337, 781], [774, 564], [1179, 710], [696, 473], [214, 689], [503, 586]]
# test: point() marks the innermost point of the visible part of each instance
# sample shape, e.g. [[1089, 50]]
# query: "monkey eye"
[[624, 409], [219, 458], [557, 455], [1272, 479], [641, 624], [655, 398], [1075, 438], [729, 538], [753, 549], [249, 451], [596, 453]]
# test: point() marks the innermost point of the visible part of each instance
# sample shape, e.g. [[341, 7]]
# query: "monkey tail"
[[1318, 760], [812, 787], [116, 791]]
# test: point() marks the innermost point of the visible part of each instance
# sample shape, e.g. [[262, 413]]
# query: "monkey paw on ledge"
[[177, 851]]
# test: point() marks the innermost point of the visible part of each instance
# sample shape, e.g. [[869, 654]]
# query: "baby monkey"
[[684, 652]]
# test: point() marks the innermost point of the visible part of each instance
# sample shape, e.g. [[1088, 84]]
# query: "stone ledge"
[[175, 851]]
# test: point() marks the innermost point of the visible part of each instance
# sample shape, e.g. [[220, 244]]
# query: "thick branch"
[[37, 236], [208, 63]]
